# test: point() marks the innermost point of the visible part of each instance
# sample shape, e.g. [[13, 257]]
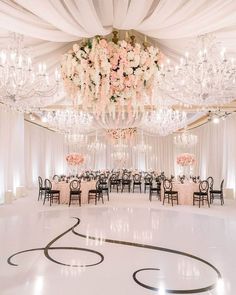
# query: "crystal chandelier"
[[119, 155], [67, 120], [120, 118], [142, 147], [19, 80], [185, 139], [96, 145], [74, 138], [204, 77], [164, 121]]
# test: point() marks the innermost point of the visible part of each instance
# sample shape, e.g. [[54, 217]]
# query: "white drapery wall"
[[11, 151], [216, 151], [45, 153]]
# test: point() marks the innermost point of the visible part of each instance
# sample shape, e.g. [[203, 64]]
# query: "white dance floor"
[[126, 246]]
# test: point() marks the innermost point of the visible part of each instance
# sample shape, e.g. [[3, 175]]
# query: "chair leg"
[[140, 188]]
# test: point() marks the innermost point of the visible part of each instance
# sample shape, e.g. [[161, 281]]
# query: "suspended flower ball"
[[186, 159], [75, 159], [109, 71]]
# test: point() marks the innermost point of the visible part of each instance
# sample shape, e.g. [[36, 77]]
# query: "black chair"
[[211, 182], [137, 182], [103, 179], [41, 188], [114, 182], [202, 195], [169, 193], [95, 194], [218, 194], [56, 178], [125, 181], [50, 194], [75, 192], [147, 181], [155, 188]]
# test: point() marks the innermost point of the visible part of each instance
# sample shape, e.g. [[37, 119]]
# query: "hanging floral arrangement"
[[126, 133], [106, 71], [75, 159], [186, 159]]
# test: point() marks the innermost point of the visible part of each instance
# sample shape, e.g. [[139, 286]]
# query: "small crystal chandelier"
[[204, 77], [185, 139], [19, 80], [119, 155], [74, 138], [142, 147], [67, 120], [96, 145], [164, 121]]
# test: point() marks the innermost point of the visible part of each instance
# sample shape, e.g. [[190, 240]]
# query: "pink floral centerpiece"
[[75, 159], [106, 71], [186, 159]]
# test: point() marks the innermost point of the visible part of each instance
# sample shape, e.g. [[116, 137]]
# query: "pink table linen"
[[185, 192], [64, 188]]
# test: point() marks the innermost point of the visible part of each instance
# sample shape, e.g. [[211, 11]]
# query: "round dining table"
[[64, 188], [185, 191]]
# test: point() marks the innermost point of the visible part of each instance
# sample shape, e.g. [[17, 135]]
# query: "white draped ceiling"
[[52, 25]]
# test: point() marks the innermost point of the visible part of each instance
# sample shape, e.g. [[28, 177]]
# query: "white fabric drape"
[[11, 151], [51, 25], [216, 153], [44, 154]]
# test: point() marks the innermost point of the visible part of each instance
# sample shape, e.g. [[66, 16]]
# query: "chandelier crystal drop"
[[185, 140], [142, 147], [19, 79], [68, 120], [164, 121], [75, 139], [96, 145], [205, 76]]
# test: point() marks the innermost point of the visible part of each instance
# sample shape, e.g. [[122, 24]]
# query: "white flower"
[[75, 47], [130, 55]]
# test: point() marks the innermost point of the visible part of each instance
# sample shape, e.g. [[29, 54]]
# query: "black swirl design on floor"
[[49, 247]]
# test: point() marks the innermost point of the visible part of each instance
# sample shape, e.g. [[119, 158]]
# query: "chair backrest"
[[40, 180], [75, 185], [210, 181], [167, 184], [148, 178], [125, 176], [204, 186], [98, 185], [222, 185], [48, 184], [159, 179], [137, 177], [56, 178]]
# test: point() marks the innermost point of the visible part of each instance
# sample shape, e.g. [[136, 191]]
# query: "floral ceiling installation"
[[116, 134], [75, 159], [105, 71], [186, 159]]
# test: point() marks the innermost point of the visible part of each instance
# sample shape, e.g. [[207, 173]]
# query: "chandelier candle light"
[[19, 80], [204, 77], [185, 140]]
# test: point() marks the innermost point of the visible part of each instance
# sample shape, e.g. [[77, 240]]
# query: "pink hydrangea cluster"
[[75, 159], [186, 159], [104, 71]]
